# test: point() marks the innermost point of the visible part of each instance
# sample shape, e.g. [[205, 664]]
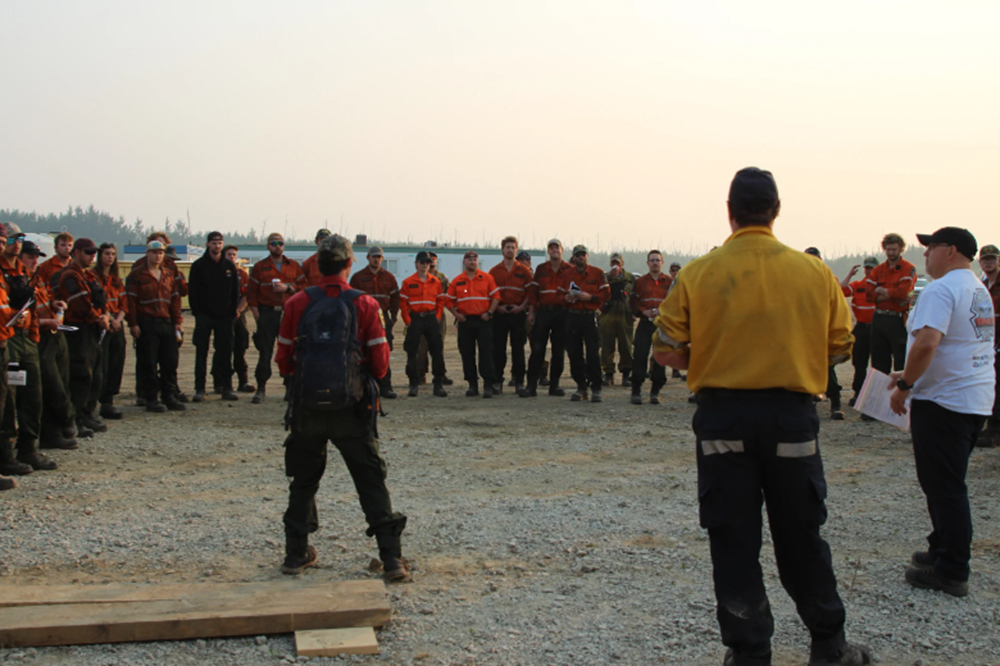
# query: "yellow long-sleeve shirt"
[[757, 315]]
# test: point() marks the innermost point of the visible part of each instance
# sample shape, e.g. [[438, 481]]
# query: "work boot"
[[414, 391], [596, 395], [229, 394], [109, 411], [530, 391], [439, 390], [636, 399], [473, 390], [181, 397], [488, 390], [69, 430], [38, 461], [836, 415], [986, 440], [245, 386], [396, 570], [928, 579], [388, 393], [298, 560], [94, 424], [654, 397], [156, 407], [849, 655], [626, 380], [922, 560], [556, 391], [852, 401], [15, 468], [497, 388], [56, 440], [82, 430], [258, 397], [7, 483], [447, 381], [199, 396], [544, 381], [579, 395], [217, 390], [175, 405]]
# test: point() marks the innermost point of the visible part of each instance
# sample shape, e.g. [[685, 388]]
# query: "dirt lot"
[[543, 531]]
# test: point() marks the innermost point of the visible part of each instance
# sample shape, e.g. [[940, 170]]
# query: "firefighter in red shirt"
[[421, 303], [890, 285], [547, 316], [241, 334], [273, 280], [381, 285], [644, 302], [351, 429], [472, 299], [53, 352], [310, 267], [584, 289], [863, 310], [510, 319]]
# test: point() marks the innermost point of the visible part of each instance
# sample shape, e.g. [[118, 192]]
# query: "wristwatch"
[[902, 385]]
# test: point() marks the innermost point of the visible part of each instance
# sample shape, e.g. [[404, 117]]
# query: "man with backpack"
[[333, 347]]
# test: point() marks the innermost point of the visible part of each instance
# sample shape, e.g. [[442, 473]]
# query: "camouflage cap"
[[989, 251], [617, 256], [322, 233], [579, 249], [335, 248], [871, 262], [11, 230]]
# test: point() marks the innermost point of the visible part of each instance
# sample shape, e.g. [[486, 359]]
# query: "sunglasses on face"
[[15, 239], [277, 243]]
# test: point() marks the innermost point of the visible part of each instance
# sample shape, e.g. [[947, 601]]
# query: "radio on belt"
[[16, 376]]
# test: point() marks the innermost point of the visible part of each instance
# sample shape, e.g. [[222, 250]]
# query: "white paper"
[[17, 378], [873, 400], [63, 327]]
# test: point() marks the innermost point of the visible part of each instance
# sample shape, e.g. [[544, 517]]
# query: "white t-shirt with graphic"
[[961, 376]]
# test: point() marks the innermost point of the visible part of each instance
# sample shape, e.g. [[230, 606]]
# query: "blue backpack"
[[328, 356]]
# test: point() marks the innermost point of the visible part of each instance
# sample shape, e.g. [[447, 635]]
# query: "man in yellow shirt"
[[757, 325]]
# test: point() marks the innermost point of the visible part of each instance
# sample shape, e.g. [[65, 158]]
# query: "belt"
[[582, 312], [733, 394], [268, 307], [423, 314], [891, 313]]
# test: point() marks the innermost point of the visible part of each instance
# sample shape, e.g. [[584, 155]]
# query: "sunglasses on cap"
[[276, 243]]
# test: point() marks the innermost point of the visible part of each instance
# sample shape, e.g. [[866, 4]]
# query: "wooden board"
[[78, 615], [332, 642]]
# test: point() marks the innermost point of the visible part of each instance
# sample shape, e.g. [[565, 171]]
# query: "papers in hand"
[[63, 327], [873, 400], [20, 312]]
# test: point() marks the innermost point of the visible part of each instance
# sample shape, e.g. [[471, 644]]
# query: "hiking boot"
[[199, 396], [296, 564], [389, 394], [15, 468], [837, 415], [544, 381], [82, 430], [596, 396], [732, 660], [654, 397], [487, 391], [636, 399], [109, 411], [928, 579], [473, 391], [414, 391], [140, 402], [181, 397], [56, 440], [38, 461], [217, 390], [246, 387], [396, 570], [447, 381], [557, 392], [7, 483], [626, 380], [439, 390], [96, 425], [156, 407], [922, 560], [175, 406], [229, 394], [258, 397], [849, 655], [497, 388], [69, 431], [528, 392], [579, 395]]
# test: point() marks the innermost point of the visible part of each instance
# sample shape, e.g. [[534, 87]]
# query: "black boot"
[[395, 568], [439, 390], [473, 390], [299, 555]]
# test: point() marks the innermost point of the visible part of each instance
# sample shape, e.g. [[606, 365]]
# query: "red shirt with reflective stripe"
[[371, 335], [264, 272], [50, 267], [420, 296], [381, 286], [899, 280], [74, 288], [857, 291], [471, 296], [513, 284], [152, 298], [6, 312], [649, 293], [590, 280], [544, 289], [30, 318]]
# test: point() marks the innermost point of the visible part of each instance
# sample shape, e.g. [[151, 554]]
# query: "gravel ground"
[[542, 532]]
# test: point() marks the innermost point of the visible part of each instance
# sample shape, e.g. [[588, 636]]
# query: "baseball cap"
[[753, 190], [871, 262], [989, 251], [375, 251], [813, 251], [675, 264], [471, 253], [323, 233], [171, 253], [335, 248], [962, 239], [617, 256], [86, 245], [11, 230], [554, 241], [214, 236], [579, 249], [151, 245], [522, 255], [423, 257], [32, 250]]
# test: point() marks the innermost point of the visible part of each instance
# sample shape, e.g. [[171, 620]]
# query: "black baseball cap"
[[215, 236], [813, 251], [423, 257], [962, 239], [31, 249], [753, 190]]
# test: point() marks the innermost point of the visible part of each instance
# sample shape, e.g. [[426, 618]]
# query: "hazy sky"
[[617, 124]]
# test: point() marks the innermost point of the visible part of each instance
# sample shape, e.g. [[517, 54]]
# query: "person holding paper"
[[757, 346], [949, 379]]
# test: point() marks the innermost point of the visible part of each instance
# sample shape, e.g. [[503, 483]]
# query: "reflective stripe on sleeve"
[[712, 446], [284, 341], [666, 339], [376, 341]]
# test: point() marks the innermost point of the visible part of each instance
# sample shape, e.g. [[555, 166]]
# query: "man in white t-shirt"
[[949, 377]]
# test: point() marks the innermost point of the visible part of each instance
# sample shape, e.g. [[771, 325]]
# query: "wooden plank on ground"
[[79, 615], [332, 642]]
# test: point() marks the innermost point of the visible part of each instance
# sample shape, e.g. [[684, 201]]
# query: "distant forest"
[[101, 227]]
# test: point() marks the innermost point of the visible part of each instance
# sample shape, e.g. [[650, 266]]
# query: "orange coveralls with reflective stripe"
[[381, 286], [591, 281], [648, 293], [858, 292], [513, 284], [898, 281], [544, 289], [471, 296], [260, 292], [420, 296]]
